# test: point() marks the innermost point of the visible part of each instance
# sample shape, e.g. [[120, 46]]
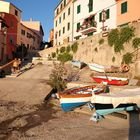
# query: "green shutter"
[[124, 7], [78, 9], [100, 17], [78, 26], [107, 14], [90, 5]]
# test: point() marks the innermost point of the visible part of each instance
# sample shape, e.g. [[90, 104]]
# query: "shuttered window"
[[90, 5], [78, 9], [124, 7]]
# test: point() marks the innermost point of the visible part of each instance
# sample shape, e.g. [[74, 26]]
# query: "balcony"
[[89, 25]]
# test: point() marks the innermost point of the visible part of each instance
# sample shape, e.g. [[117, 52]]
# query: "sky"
[[40, 10]]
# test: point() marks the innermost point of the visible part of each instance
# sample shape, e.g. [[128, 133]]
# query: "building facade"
[[127, 11], [93, 16], [14, 37], [63, 22]]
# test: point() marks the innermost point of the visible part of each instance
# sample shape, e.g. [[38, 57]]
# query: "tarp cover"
[[121, 97]]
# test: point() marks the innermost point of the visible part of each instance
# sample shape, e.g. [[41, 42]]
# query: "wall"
[[133, 11]]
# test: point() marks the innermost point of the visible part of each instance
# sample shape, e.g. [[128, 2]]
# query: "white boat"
[[96, 67]]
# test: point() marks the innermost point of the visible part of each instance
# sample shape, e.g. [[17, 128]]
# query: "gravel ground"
[[24, 116]]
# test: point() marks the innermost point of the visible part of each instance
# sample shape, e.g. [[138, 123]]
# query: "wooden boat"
[[111, 80], [125, 100], [78, 64], [70, 99], [96, 67], [108, 69]]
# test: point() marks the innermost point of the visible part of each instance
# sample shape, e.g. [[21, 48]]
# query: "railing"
[[7, 65]]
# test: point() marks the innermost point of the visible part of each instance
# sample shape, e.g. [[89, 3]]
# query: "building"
[[29, 33], [36, 27], [29, 38], [127, 11], [63, 22], [93, 16]]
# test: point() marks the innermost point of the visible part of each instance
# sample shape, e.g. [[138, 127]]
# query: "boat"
[[108, 69], [96, 67], [78, 64], [125, 100], [118, 81], [71, 99]]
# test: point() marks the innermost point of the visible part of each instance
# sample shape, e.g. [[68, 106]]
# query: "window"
[[124, 7], [11, 40], [68, 26], [90, 5], [78, 9], [107, 14], [63, 16], [56, 23], [59, 19], [23, 32], [16, 12], [61, 6], [100, 17], [69, 11], [63, 30], [78, 26], [64, 2], [59, 32], [57, 11]]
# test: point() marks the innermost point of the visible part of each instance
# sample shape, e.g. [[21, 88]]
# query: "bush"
[[126, 34], [62, 49], [113, 37], [96, 50], [57, 80], [74, 47], [127, 58], [136, 42], [53, 54], [64, 57], [68, 49], [101, 41]]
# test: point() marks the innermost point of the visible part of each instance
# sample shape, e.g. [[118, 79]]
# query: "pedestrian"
[[19, 64], [15, 65]]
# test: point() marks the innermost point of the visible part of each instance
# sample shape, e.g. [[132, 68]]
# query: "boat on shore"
[[78, 64], [71, 99], [118, 81], [125, 100], [108, 69]]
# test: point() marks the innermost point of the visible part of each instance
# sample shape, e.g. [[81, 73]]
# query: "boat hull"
[[97, 68], [110, 81], [105, 109], [77, 64]]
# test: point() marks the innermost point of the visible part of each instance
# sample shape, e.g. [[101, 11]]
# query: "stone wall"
[[89, 49]]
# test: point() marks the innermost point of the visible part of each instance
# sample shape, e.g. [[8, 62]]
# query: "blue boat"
[[74, 98], [78, 64]]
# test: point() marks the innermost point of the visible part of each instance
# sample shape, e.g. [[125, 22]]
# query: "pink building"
[[128, 11]]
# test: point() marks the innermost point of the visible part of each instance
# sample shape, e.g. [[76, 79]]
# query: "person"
[[15, 66], [19, 64]]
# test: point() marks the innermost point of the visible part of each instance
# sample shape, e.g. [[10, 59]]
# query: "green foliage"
[[74, 47], [62, 49], [56, 79], [136, 42], [96, 50], [64, 57], [127, 58], [101, 41], [68, 49], [53, 54], [117, 38], [57, 51], [126, 34], [113, 37], [113, 59]]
